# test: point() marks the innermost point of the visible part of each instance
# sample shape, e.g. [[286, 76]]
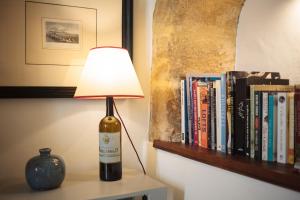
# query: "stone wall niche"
[[189, 36]]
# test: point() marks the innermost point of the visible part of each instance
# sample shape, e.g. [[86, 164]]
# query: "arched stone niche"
[[189, 36]]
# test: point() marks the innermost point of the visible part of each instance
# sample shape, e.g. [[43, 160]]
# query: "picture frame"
[[42, 91]]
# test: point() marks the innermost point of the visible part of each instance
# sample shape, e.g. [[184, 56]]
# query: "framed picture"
[[45, 44]]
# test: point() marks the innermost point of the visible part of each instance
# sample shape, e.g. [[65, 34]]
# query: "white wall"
[[268, 40], [268, 37]]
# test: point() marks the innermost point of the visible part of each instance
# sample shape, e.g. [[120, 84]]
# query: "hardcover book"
[[212, 118], [265, 125], [231, 77], [291, 129], [204, 117], [257, 126], [297, 125], [282, 128]]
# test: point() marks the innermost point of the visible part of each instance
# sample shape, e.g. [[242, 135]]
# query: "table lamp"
[[109, 74]]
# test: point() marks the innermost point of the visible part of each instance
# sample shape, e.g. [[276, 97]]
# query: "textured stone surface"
[[189, 36]]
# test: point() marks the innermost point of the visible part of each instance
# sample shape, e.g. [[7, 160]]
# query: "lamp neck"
[[109, 106]]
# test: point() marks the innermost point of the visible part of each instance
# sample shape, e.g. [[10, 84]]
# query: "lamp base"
[[110, 145], [110, 172]]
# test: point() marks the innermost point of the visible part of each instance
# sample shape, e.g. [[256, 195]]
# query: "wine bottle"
[[110, 155]]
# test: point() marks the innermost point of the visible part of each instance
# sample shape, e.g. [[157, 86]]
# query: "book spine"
[[275, 127], [270, 126], [252, 122], [204, 117], [297, 124], [247, 135], [230, 115], [291, 130], [189, 111], [239, 115], [195, 112], [186, 114], [182, 106], [218, 113], [213, 118], [257, 129], [282, 128], [223, 114], [209, 136], [199, 111], [265, 126]]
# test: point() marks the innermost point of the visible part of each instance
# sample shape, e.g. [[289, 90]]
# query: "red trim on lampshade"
[[104, 96], [112, 47]]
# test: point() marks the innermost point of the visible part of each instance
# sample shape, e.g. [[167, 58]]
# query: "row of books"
[[253, 114]]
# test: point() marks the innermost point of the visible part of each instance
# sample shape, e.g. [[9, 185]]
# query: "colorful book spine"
[[252, 122], [282, 128], [217, 85], [257, 129], [204, 117], [212, 106], [195, 112], [200, 84], [271, 126], [265, 126], [223, 114], [247, 128], [182, 104], [189, 108], [275, 122], [291, 129], [186, 114]]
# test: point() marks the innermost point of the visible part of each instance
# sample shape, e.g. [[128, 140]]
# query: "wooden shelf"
[[278, 174]]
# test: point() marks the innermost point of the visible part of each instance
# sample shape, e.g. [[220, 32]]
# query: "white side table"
[[88, 186]]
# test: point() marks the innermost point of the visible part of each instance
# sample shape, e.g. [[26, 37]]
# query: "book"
[[182, 106], [265, 125], [297, 125], [223, 114], [231, 77], [291, 130], [212, 107], [282, 128], [217, 86], [204, 116], [209, 101], [195, 111], [257, 127], [199, 109], [186, 138], [275, 113], [270, 126]]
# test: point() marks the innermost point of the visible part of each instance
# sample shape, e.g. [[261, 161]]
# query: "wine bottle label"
[[109, 147]]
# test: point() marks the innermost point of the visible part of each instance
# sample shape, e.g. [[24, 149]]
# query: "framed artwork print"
[[45, 44], [59, 34]]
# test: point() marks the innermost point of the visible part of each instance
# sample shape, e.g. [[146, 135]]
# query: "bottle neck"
[[109, 106]]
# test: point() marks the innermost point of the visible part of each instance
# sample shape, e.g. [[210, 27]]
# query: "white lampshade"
[[108, 71]]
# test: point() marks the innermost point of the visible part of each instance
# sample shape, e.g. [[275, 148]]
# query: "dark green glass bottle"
[[110, 150]]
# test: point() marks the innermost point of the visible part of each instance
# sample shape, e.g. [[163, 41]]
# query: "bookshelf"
[[278, 174]]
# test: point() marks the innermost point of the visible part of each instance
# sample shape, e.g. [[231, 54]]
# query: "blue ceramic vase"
[[45, 172]]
